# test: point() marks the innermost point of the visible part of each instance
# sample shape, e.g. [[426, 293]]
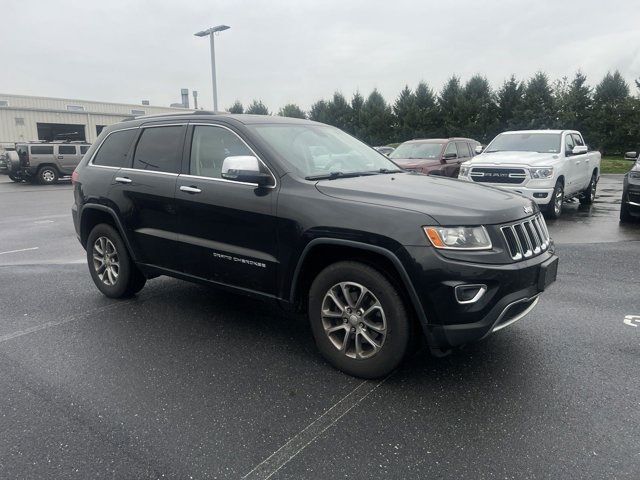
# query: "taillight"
[[75, 176]]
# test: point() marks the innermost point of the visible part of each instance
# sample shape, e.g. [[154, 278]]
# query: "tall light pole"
[[211, 33]]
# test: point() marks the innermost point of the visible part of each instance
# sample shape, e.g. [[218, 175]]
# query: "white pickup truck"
[[548, 166]]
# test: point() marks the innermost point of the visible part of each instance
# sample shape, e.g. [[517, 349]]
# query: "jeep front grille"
[[527, 238]]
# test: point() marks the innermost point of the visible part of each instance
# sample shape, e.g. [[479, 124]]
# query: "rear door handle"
[[123, 179], [184, 188]]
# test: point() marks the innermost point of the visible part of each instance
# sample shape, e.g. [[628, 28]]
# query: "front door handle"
[[184, 188], [123, 179]]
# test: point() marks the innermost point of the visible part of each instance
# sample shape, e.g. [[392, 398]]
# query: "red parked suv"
[[435, 156]]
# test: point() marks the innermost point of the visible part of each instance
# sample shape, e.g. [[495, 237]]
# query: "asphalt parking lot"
[[186, 382]]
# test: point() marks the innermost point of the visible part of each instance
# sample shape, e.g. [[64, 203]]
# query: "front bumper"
[[542, 196], [512, 291]]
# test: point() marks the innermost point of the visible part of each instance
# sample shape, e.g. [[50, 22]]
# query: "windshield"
[[525, 142], [321, 150], [418, 150]]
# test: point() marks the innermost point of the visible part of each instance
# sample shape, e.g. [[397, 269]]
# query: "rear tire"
[[47, 175], [554, 208], [365, 332], [110, 265], [589, 195]]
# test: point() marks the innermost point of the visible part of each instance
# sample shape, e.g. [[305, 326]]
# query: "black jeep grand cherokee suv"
[[305, 215]]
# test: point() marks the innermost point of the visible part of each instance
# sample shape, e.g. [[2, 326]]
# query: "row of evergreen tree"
[[607, 115]]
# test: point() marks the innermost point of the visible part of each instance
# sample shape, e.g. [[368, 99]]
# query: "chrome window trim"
[[198, 177], [216, 125], [159, 172]]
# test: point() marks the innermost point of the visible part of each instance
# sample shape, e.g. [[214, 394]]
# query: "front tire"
[[47, 175], [589, 195], [625, 214], [110, 265], [358, 319], [554, 209]]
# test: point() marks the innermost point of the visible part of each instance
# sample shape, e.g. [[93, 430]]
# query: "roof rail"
[[186, 112]]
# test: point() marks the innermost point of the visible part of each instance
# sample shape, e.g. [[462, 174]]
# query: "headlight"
[[464, 170], [544, 172], [634, 174], [458, 238]]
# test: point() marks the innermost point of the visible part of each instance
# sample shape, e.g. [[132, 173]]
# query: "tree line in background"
[[607, 115]]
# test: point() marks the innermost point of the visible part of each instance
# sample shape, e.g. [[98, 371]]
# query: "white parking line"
[[21, 250], [632, 320], [278, 459]]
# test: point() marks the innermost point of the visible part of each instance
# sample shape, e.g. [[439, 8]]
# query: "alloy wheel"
[[354, 320], [48, 176], [105, 261]]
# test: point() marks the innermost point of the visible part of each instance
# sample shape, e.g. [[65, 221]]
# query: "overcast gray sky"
[[300, 51]]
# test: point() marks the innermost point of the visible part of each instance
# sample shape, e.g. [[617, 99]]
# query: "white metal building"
[[24, 118]]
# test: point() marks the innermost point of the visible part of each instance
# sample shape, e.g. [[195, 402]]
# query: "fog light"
[[466, 294], [540, 195]]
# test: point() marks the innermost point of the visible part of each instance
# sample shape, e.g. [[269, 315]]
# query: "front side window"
[[577, 139], [114, 150], [296, 145], [42, 150], [66, 150], [417, 150], [568, 143], [159, 149], [210, 146], [451, 148], [463, 149]]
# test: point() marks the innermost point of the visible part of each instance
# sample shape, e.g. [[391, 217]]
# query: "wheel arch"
[[93, 215], [321, 252]]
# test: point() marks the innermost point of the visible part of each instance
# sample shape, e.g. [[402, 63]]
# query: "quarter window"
[[67, 150], [159, 149], [114, 150], [42, 150], [210, 146]]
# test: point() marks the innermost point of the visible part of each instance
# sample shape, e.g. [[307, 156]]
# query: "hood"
[[448, 201], [520, 159], [415, 162]]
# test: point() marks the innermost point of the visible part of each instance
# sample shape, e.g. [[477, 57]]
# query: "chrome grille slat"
[[526, 238]]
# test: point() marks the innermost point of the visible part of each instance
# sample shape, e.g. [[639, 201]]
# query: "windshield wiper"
[[334, 175], [387, 170]]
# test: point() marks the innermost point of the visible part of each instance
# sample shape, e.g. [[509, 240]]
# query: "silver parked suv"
[[46, 162]]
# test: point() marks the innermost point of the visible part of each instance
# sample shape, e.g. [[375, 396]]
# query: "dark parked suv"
[[373, 254], [435, 156]]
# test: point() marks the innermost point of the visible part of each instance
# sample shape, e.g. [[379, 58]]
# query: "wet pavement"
[[595, 223], [183, 381]]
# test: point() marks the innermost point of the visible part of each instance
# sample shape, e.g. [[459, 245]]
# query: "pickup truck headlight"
[[544, 172], [464, 170], [459, 238]]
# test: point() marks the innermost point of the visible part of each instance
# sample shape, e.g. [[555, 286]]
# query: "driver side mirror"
[[479, 149], [449, 156], [244, 168], [579, 150], [631, 156]]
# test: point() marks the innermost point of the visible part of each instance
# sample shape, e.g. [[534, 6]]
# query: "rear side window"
[[115, 148], [159, 149], [84, 149], [42, 150], [66, 150]]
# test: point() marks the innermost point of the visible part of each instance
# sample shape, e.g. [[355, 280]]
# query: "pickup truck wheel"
[[589, 195], [358, 320], [47, 175], [110, 265], [554, 208], [625, 215]]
